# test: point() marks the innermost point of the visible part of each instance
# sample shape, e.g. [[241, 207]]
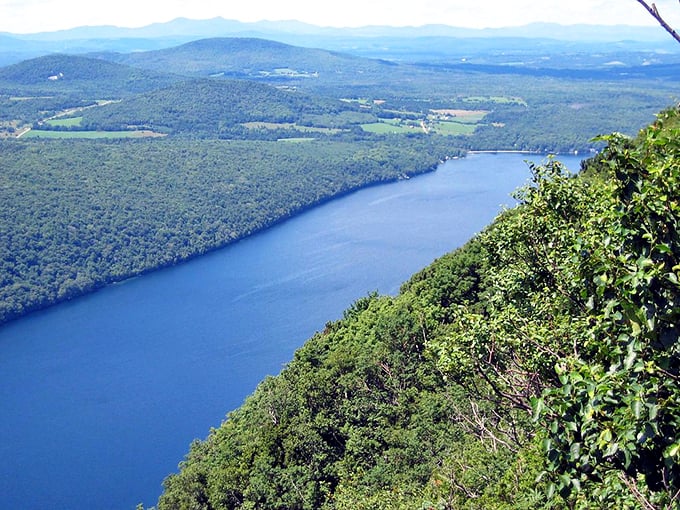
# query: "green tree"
[[580, 320]]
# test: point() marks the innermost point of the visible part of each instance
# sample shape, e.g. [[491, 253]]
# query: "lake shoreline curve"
[[100, 285]]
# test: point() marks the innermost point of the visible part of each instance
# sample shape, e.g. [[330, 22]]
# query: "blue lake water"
[[101, 396]]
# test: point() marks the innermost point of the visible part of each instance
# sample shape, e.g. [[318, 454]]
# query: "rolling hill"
[[77, 75], [249, 58], [529, 107], [212, 107]]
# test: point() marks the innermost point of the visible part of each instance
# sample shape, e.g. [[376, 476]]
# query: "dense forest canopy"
[[76, 215]]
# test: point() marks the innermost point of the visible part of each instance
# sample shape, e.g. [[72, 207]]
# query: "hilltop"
[[248, 58], [80, 76], [224, 108]]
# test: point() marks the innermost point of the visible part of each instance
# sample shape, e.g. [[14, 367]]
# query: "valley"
[[135, 158], [145, 111]]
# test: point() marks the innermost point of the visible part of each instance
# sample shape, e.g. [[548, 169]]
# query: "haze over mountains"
[[412, 43]]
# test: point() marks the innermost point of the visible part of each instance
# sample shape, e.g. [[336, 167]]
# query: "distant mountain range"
[[183, 27], [399, 43]]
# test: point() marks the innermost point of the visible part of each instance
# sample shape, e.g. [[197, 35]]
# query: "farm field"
[[386, 126], [65, 122], [41, 133], [448, 122], [290, 125]]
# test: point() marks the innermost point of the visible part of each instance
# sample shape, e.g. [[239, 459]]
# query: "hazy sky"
[[27, 16]]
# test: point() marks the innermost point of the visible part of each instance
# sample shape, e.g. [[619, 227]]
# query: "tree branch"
[[651, 8]]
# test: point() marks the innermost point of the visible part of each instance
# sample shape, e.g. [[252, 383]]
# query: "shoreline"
[[102, 284], [97, 286], [502, 151]]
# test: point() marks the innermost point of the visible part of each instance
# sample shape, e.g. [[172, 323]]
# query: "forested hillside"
[[76, 215], [253, 58], [72, 75], [215, 108], [536, 367]]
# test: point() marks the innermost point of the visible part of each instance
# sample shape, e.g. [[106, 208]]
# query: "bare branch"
[[632, 486], [651, 8]]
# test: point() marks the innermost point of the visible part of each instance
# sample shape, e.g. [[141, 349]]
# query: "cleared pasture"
[[290, 125], [453, 128], [65, 122], [460, 116], [40, 133], [390, 127]]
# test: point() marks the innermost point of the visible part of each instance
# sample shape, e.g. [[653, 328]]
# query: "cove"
[[101, 396]]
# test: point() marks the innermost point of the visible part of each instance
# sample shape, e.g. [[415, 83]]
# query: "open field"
[[296, 140], [443, 121], [289, 125], [391, 126], [461, 116], [65, 122], [39, 133], [452, 128]]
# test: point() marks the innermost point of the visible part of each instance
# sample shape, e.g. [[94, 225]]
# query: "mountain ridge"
[[218, 25], [372, 41]]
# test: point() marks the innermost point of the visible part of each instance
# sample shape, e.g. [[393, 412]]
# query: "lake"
[[101, 396]]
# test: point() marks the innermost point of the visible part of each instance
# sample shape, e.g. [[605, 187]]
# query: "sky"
[[31, 16]]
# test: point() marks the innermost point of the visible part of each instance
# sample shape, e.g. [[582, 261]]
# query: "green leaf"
[[612, 448], [571, 426], [653, 410], [564, 480], [537, 406], [637, 408], [546, 444], [627, 457], [636, 330], [550, 492], [672, 451], [590, 304], [632, 354]]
